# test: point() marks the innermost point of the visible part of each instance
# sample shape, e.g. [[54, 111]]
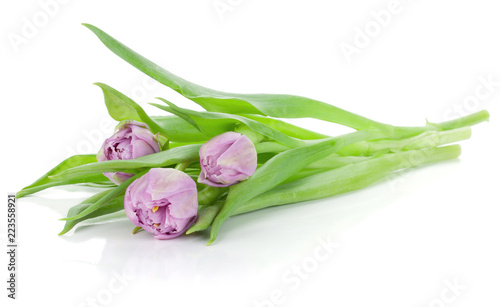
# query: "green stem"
[[466, 121], [347, 178], [253, 135], [335, 161], [205, 217], [163, 141], [359, 151], [136, 230], [182, 166], [273, 147], [208, 195], [423, 140]]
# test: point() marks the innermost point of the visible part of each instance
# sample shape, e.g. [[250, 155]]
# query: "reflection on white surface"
[[405, 230]]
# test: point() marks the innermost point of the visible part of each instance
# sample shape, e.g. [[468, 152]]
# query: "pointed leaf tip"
[[89, 26]]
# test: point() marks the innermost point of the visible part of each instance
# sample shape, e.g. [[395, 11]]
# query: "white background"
[[401, 242]]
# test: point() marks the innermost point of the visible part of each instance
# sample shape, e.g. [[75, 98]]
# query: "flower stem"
[[205, 217], [136, 230], [466, 121], [426, 139], [348, 178], [208, 195], [182, 166], [273, 147]]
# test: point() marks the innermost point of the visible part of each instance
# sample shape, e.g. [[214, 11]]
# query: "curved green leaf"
[[177, 129], [45, 181], [205, 217], [120, 107], [159, 159], [213, 124], [286, 128], [274, 105], [105, 199], [112, 206]]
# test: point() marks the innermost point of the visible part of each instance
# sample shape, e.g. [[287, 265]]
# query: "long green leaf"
[[116, 216], [103, 201], [208, 123], [159, 159], [113, 205], [274, 105], [287, 128], [178, 130], [45, 182]]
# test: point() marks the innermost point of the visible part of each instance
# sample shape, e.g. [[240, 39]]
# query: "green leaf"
[[209, 123], [178, 130], [120, 107], [281, 167], [45, 182], [114, 205], [205, 217], [159, 159], [274, 105], [209, 195], [105, 199], [286, 128]]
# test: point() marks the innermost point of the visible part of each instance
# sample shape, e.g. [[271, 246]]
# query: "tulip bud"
[[131, 140], [227, 159], [163, 202]]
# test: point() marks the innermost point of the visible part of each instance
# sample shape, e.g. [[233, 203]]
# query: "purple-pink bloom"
[[131, 140], [227, 159], [163, 202]]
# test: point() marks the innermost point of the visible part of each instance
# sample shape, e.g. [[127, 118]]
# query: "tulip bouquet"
[[190, 171]]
